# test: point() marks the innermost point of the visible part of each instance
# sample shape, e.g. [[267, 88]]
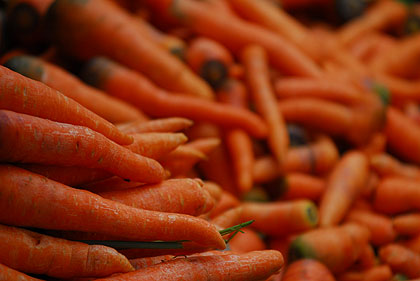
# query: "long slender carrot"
[[180, 161], [58, 257], [29, 139], [378, 273], [164, 125], [7, 273], [39, 202], [257, 265], [401, 259], [408, 224], [307, 270], [162, 67], [109, 108], [257, 73], [336, 247], [138, 90], [27, 96], [386, 165], [205, 145], [238, 34], [182, 196]]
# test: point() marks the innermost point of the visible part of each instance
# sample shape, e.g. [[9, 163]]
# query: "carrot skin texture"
[[307, 270], [7, 273], [43, 203], [58, 257], [257, 265], [24, 95], [31, 139], [164, 125], [401, 259]]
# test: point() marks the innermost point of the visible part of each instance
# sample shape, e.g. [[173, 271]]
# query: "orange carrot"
[[29, 139], [138, 90], [408, 224], [257, 265], [39, 202], [386, 165], [180, 161], [301, 186], [246, 242], [105, 39], [182, 196], [164, 125], [367, 258], [214, 190], [307, 270], [402, 90], [109, 184], [401, 259], [7, 273], [205, 145], [226, 202], [378, 273], [397, 195], [27, 96], [256, 67], [149, 261], [345, 183], [380, 226], [336, 247], [376, 144], [57, 257], [413, 244]]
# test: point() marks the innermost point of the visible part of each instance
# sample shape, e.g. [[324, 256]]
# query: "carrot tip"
[[311, 214], [300, 250]]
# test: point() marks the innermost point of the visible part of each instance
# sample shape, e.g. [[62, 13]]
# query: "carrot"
[[413, 244], [282, 244], [29, 139], [402, 90], [401, 259], [138, 90], [386, 165], [378, 273], [57, 257], [376, 145], [380, 226], [205, 144], [39, 202], [53, 76], [256, 67], [109, 184], [345, 183], [27, 96], [366, 47], [226, 202], [408, 224], [181, 160], [257, 265], [182, 196], [308, 270], [337, 247], [238, 34], [164, 125], [7, 273], [214, 190], [105, 39], [149, 261], [367, 258], [301, 186], [238, 142], [210, 60], [247, 241]]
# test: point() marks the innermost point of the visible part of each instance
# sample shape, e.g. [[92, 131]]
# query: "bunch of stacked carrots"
[[209, 140]]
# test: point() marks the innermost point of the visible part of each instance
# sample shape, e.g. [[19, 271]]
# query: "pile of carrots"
[[209, 140]]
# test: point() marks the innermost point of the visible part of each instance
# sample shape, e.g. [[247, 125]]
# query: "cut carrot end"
[[300, 250]]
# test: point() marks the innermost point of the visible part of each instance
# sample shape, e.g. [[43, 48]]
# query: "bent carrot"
[[138, 90], [344, 184], [256, 67], [39, 202], [7, 273], [27, 96], [164, 125], [386, 165], [172, 74], [408, 224], [57, 257], [307, 270], [401, 259], [29, 139]]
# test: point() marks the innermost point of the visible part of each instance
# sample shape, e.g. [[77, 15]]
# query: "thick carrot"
[[118, 31], [138, 90], [164, 125], [401, 259], [57, 257], [408, 224], [39, 202], [336, 247], [27, 96], [257, 265], [397, 195], [109, 108], [239, 33], [149, 261], [386, 165], [378, 273], [7, 273], [182, 196], [307, 270], [226, 202], [28, 139], [257, 75], [344, 185], [214, 190], [246, 242], [380, 226], [302, 186]]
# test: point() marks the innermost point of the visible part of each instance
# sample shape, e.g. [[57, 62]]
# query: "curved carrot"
[[107, 107], [386, 165], [27, 96], [133, 87], [257, 76], [307, 270], [226, 202], [29, 139], [377, 273], [57, 257], [257, 265], [344, 184], [401, 259], [107, 38], [408, 224], [246, 242], [164, 125], [7, 273], [39, 202]]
